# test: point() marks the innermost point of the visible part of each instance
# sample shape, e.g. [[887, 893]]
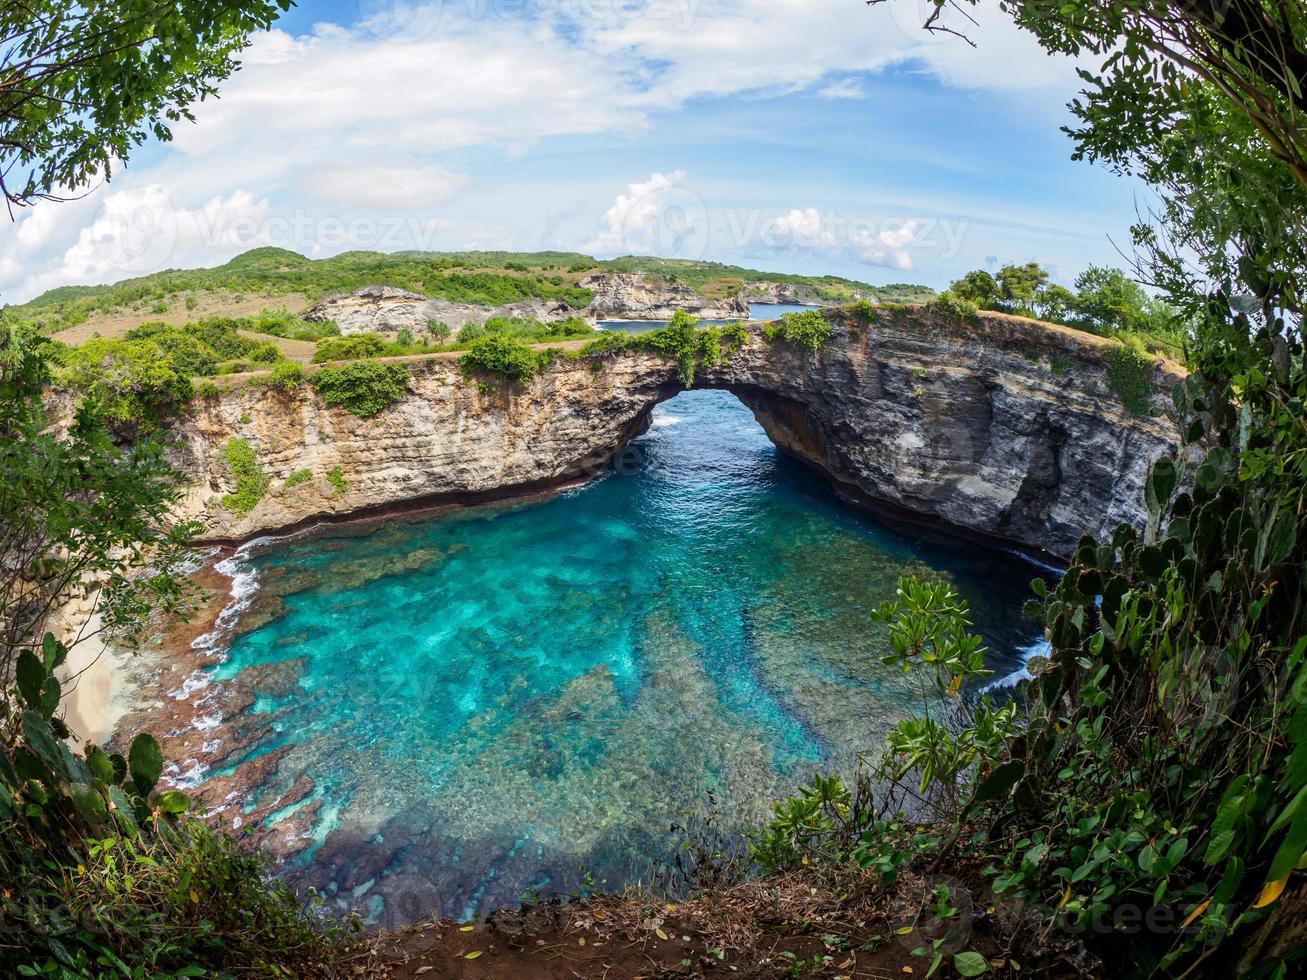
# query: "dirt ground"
[[794, 925], [588, 946]]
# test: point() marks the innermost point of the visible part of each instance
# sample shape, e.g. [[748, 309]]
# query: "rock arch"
[[1001, 428]]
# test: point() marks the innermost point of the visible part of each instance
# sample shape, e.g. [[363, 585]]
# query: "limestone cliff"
[[1000, 427], [632, 296], [784, 292], [387, 310]]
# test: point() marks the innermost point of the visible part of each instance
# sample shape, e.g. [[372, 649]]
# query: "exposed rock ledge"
[[784, 292], [1001, 427], [632, 296], [618, 296], [387, 309]]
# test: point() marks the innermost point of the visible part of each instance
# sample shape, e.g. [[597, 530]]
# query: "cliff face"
[[1002, 428], [387, 310], [631, 296]]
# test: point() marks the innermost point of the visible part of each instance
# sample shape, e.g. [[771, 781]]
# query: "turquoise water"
[[757, 311], [509, 698]]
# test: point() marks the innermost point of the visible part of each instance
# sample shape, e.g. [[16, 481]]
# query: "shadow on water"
[[490, 702]]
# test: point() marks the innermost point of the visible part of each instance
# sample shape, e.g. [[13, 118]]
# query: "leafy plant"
[[252, 481], [503, 356], [103, 61], [134, 382], [298, 477], [1130, 376], [809, 329], [952, 306], [364, 388], [286, 375], [336, 477], [349, 348]]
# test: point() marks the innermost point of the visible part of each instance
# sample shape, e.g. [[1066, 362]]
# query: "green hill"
[[489, 278]]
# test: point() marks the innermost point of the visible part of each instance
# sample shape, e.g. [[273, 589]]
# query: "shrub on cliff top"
[[501, 355], [952, 306], [363, 388], [809, 329], [679, 340], [134, 381], [286, 375], [350, 348]]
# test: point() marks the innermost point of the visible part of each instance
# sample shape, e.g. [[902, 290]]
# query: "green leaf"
[[173, 802], [122, 812], [52, 651], [100, 763], [90, 804], [1231, 810], [970, 963], [51, 692], [1162, 481], [146, 761], [999, 783], [30, 675], [39, 738]]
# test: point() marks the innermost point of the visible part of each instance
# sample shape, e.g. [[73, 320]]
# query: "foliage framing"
[[82, 85]]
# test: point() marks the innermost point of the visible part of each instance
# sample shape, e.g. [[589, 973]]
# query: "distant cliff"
[[633, 296], [1002, 428], [388, 310]]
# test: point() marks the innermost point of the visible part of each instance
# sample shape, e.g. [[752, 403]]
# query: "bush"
[[404, 338], [219, 333], [951, 306], [439, 331], [864, 309], [363, 388], [350, 348], [187, 353], [503, 356], [133, 381], [680, 340], [252, 480], [286, 375], [113, 878], [810, 329], [470, 332], [265, 352], [298, 477], [337, 480], [1130, 375]]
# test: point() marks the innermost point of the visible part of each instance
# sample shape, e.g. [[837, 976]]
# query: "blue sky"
[[795, 135]]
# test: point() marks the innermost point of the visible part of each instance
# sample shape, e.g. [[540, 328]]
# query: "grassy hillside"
[[717, 279], [277, 277]]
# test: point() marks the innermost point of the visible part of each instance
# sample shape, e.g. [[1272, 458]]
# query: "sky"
[[808, 136]]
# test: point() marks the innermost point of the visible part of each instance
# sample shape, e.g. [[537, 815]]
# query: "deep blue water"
[[493, 701]]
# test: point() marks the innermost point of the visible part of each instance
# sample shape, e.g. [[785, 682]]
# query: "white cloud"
[[808, 230], [888, 247], [656, 216], [140, 230], [845, 88]]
